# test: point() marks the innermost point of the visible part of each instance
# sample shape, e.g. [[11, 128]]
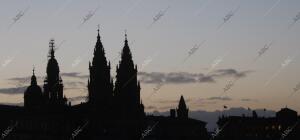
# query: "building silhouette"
[[100, 84], [284, 126], [182, 111], [113, 109]]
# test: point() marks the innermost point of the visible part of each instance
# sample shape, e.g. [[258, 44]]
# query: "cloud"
[[74, 75], [207, 79], [13, 90], [77, 99], [20, 78], [21, 83], [21, 89], [249, 100], [181, 77], [151, 107], [186, 78], [74, 84], [172, 101], [220, 98], [229, 72], [40, 78], [12, 104]]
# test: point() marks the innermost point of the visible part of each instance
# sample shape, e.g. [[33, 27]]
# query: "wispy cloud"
[[77, 99], [220, 98], [12, 104], [249, 100], [74, 75], [185, 77], [13, 90], [21, 83]]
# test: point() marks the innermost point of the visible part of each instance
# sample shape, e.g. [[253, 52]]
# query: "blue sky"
[[162, 47]]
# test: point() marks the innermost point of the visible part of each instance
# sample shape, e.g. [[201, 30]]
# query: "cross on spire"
[[33, 70], [33, 78], [98, 37], [126, 34], [51, 45]]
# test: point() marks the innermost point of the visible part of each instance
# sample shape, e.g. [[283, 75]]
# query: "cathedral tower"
[[53, 84], [182, 111], [127, 87], [100, 84]]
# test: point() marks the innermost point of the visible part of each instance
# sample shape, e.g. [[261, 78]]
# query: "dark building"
[[284, 126], [286, 114], [179, 127], [113, 109]]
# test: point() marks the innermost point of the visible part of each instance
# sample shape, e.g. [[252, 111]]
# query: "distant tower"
[[53, 84], [127, 87], [33, 94], [100, 84], [182, 111]]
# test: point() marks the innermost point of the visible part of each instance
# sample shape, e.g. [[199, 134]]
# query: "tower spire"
[[33, 78], [127, 90], [182, 110], [53, 87], [100, 96], [33, 70], [98, 30], [51, 45], [125, 34], [182, 102]]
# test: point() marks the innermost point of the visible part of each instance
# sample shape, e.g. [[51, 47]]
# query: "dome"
[[34, 90], [33, 94]]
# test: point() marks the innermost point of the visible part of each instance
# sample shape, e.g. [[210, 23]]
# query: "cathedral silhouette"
[[113, 109]]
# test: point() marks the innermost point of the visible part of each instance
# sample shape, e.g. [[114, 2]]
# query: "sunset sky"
[[198, 48]]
